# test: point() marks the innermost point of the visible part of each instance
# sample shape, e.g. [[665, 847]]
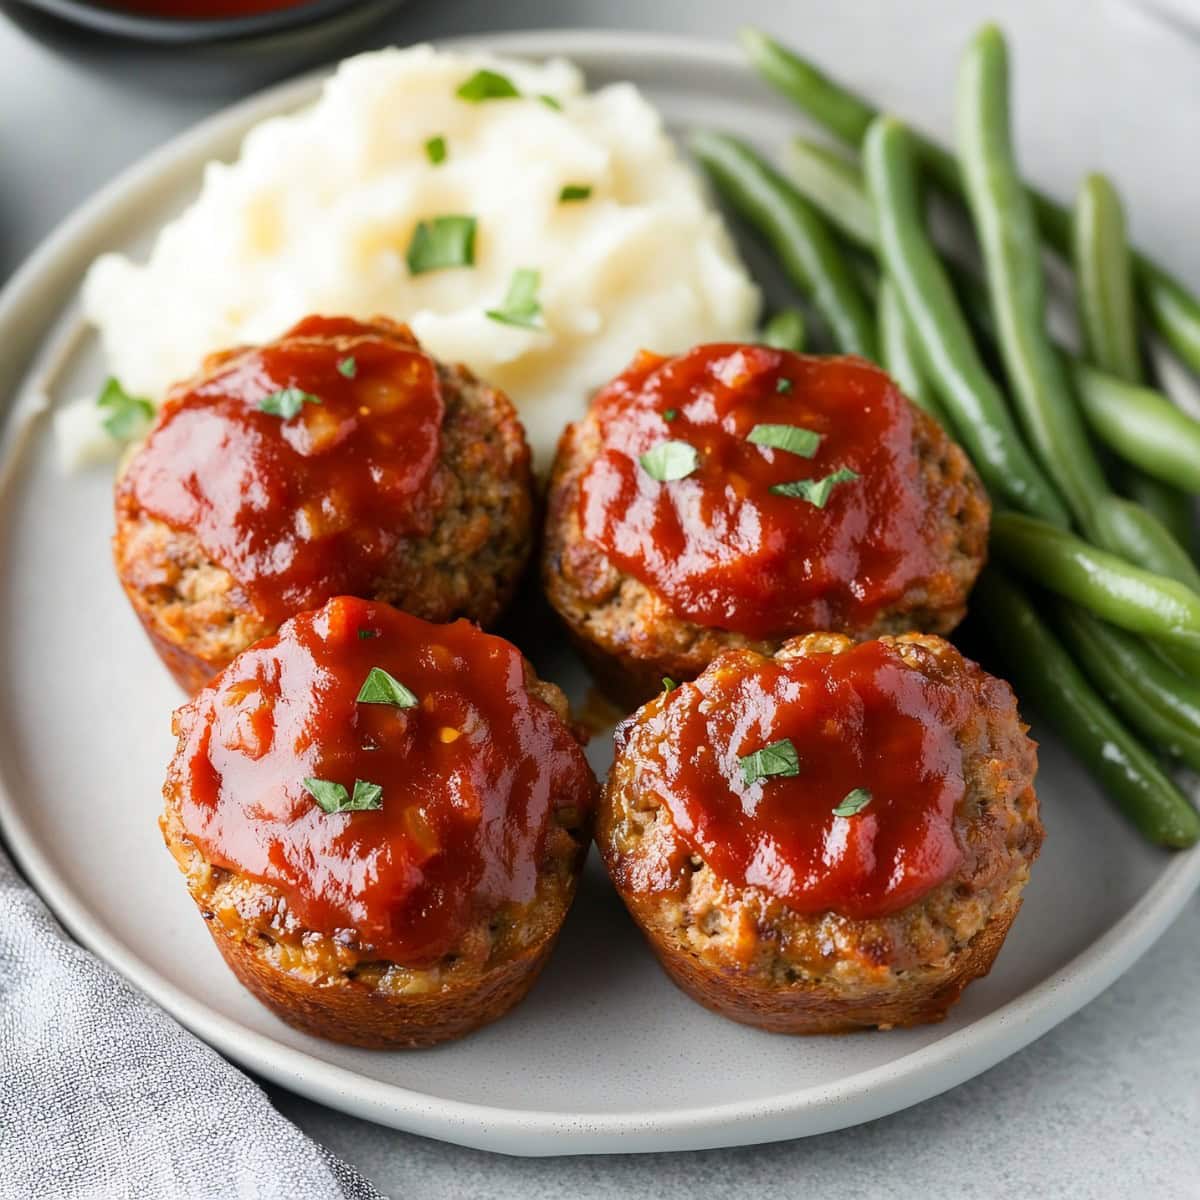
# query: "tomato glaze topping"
[[719, 546], [298, 508], [471, 776], [862, 719]]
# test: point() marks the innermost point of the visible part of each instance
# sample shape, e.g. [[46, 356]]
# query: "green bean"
[[1173, 311], [1150, 545], [827, 102], [1161, 500], [796, 233], [834, 186], [866, 271], [1158, 702], [1104, 280], [1141, 425], [1144, 539], [785, 330], [1047, 675], [1153, 533], [1004, 222], [1103, 583], [1108, 318], [900, 358], [966, 391]]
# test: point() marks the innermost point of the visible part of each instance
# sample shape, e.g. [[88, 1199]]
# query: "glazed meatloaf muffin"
[[741, 495], [382, 822], [340, 459], [832, 838]]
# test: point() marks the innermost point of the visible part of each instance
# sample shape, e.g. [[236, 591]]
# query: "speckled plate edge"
[[35, 318]]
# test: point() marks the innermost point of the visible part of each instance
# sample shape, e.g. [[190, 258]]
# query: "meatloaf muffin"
[[339, 459], [382, 821], [741, 495], [832, 838]]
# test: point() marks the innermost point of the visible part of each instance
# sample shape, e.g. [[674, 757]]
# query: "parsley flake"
[[783, 385], [366, 634], [487, 85], [520, 306], [668, 684], [128, 415], [670, 414], [670, 460], [381, 688], [815, 491], [854, 802], [551, 102], [795, 439], [779, 758], [287, 402], [333, 798], [435, 150], [574, 191], [348, 367], [442, 242]]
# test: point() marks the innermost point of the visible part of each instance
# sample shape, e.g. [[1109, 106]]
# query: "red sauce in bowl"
[[471, 776], [720, 546], [298, 508], [862, 719]]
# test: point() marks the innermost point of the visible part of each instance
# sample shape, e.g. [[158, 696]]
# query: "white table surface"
[[1107, 1105]]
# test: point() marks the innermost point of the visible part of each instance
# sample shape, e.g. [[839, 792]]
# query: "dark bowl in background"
[[147, 27]]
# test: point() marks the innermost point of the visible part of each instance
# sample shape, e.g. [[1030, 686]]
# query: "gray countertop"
[[1108, 1104]]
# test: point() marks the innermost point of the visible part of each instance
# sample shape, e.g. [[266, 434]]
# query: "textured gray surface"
[[1106, 1105], [126, 1113]]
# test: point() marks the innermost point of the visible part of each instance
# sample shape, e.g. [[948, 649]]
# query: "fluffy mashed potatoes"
[[317, 214]]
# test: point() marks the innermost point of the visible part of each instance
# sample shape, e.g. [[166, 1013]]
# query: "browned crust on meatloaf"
[[630, 638], [745, 954], [335, 988], [198, 618]]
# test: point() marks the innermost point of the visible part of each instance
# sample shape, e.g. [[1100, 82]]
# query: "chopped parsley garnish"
[[795, 439], [779, 758], [551, 102], [670, 414], [348, 367], [520, 306], [127, 415], [487, 85], [668, 684], [854, 802], [435, 150], [381, 688], [442, 242], [367, 634], [333, 797], [574, 191], [815, 491], [783, 385], [287, 402], [670, 460]]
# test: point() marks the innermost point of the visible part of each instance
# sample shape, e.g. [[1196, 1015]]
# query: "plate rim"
[[818, 1108]]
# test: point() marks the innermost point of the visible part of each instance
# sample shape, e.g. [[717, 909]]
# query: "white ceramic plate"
[[605, 1055]]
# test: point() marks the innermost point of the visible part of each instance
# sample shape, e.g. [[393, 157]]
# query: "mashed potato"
[[317, 214]]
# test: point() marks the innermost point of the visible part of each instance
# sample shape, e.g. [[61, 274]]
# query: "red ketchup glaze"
[[860, 719], [307, 507], [718, 546], [471, 777]]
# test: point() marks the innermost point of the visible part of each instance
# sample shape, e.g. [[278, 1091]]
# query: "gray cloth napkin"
[[103, 1095]]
